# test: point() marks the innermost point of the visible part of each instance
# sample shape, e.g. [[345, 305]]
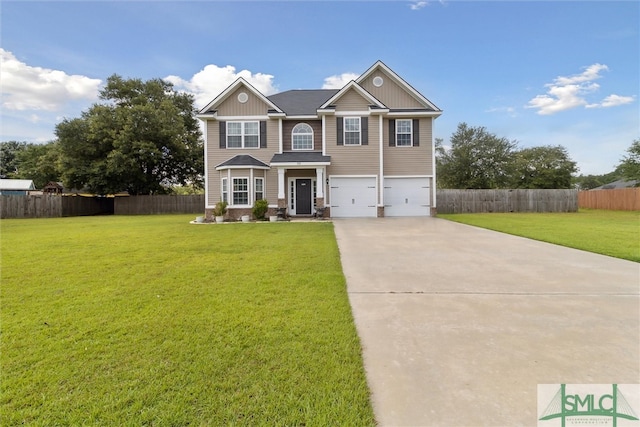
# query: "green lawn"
[[150, 320], [613, 233]]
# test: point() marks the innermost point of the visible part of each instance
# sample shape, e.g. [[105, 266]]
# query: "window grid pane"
[[240, 191], [352, 131], [302, 142], [403, 133], [259, 188]]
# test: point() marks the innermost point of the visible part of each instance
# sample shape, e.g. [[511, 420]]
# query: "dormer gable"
[[348, 91], [240, 98]]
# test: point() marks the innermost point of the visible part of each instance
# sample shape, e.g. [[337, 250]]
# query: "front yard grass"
[[613, 233], [149, 320]]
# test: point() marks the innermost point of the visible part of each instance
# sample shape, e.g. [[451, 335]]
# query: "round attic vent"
[[243, 97], [377, 81]]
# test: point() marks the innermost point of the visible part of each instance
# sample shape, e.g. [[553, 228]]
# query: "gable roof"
[[302, 102], [17, 184], [379, 65], [354, 85], [229, 90]]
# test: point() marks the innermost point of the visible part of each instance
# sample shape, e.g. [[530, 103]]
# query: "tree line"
[[143, 138], [480, 159]]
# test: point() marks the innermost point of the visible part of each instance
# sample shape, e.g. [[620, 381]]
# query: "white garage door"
[[407, 197], [353, 197]]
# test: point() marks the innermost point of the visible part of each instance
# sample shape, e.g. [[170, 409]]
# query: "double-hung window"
[[302, 137], [259, 188], [352, 131], [243, 134], [240, 191], [225, 190], [404, 133]]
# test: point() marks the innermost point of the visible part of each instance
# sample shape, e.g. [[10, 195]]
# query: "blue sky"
[[540, 73]]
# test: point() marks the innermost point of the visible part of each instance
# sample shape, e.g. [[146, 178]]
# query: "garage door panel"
[[407, 197], [353, 197]]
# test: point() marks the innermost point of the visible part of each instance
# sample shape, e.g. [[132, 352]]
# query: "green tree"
[[542, 167], [9, 151], [40, 163], [476, 159], [630, 164], [143, 139]]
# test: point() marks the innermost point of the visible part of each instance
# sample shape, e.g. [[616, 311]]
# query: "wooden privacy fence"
[[52, 206], [620, 199], [476, 201], [148, 205], [39, 206]]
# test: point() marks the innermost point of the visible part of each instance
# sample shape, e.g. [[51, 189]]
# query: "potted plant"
[[219, 211]]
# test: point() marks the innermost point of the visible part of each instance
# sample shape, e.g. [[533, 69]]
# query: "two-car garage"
[[353, 197]]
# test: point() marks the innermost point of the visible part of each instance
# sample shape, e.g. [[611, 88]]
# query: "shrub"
[[260, 208], [220, 209]]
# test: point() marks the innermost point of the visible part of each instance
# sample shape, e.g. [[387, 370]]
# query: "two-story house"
[[365, 150]]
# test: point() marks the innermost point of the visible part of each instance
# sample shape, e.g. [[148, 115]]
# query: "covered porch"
[[302, 182]]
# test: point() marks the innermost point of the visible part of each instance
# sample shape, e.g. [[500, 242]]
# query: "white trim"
[[352, 113], [221, 168], [222, 180], [231, 191], [352, 85], [241, 118], [433, 166], [408, 176], [293, 148], [242, 135], [324, 136], [232, 87], [381, 173], [344, 131], [414, 113], [304, 117], [410, 133], [400, 81], [264, 190], [299, 165], [206, 163], [280, 137]]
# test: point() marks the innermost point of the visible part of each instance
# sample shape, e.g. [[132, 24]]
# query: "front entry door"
[[303, 197]]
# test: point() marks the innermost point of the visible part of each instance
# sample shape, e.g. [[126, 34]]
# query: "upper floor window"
[[243, 134], [302, 137], [352, 131], [404, 133]]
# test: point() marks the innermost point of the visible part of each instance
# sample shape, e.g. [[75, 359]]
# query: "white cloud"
[[418, 5], [570, 92], [613, 100], [339, 81], [35, 88], [209, 82]]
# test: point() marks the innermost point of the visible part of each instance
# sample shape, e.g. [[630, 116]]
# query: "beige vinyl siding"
[[215, 156], [287, 127], [232, 107], [353, 160], [352, 101], [409, 160], [390, 93]]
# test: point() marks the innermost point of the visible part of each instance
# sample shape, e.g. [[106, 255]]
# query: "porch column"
[[281, 188], [320, 183]]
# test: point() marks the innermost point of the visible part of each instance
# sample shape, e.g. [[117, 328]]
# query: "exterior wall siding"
[[409, 160], [390, 93], [232, 107], [352, 101]]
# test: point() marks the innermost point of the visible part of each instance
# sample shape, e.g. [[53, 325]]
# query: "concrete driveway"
[[459, 324]]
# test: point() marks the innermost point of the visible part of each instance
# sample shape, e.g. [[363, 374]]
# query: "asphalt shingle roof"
[[243, 160], [302, 102]]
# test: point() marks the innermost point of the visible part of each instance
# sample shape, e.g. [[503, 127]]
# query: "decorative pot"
[[199, 219], [273, 218], [245, 218], [219, 219]]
